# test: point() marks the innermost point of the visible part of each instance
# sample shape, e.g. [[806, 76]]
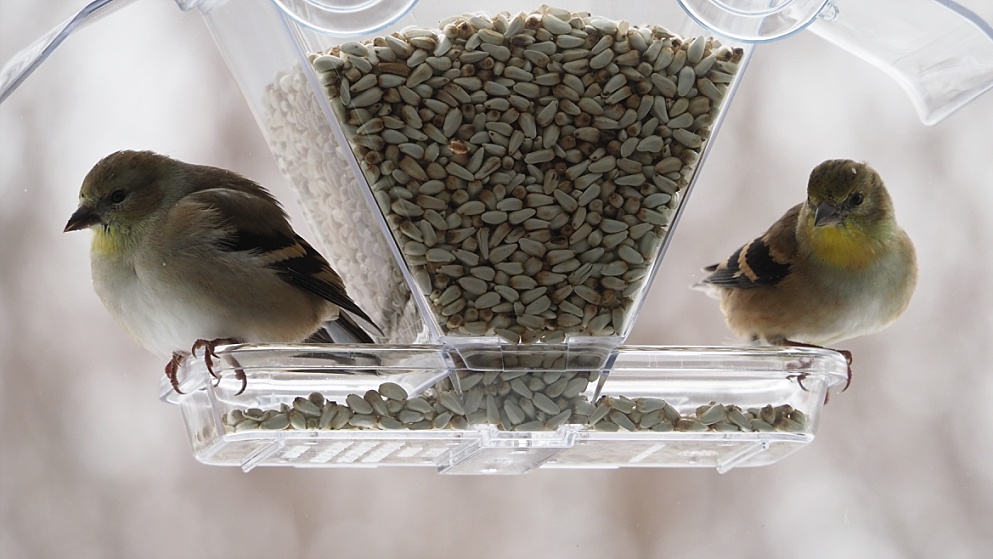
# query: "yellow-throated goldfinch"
[[835, 267], [189, 255]]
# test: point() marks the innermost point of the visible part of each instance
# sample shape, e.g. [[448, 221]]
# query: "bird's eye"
[[857, 199], [118, 196]]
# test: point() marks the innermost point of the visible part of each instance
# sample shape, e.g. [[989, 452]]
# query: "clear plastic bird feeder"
[[497, 186]]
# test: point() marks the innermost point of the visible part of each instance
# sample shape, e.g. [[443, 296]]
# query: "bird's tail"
[[712, 291], [343, 330]]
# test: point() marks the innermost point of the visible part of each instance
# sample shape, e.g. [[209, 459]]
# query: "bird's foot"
[[800, 377], [209, 354], [801, 363], [172, 369], [848, 357], [805, 362]]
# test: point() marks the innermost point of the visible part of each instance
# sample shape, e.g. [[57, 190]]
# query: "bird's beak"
[[82, 218], [826, 214]]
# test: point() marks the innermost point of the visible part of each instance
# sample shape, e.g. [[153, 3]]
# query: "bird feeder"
[[497, 186]]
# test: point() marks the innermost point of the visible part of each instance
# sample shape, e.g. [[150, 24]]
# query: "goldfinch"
[[832, 268], [188, 255]]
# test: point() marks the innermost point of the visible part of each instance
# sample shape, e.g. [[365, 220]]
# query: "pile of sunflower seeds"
[[518, 400], [654, 414], [386, 408], [514, 401], [529, 166], [331, 197]]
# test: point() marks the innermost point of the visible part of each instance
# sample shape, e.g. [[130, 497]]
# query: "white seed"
[[684, 120], [539, 156], [439, 255], [629, 255], [555, 25], [605, 123], [687, 138], [708, 89], [601, 59], [546, 114], [487, 300], [495, 88], [591, 192], [608, 225]]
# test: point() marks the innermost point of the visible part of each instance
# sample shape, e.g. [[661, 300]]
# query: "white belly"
[[156, 319], [165, 314], [864, 305]]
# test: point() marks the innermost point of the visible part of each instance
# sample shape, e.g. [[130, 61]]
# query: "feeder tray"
[[362, 406]]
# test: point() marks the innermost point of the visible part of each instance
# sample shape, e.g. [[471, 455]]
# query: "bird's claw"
[[805, 362], [801, 363], [209, 353], [239, 374], [172, 369], [799, 379], [209, 348], [848, 357]]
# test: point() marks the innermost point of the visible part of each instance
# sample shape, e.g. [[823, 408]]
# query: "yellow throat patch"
[[842, 247], [106, 242]]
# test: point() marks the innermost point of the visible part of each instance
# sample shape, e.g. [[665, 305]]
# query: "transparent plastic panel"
[[345, 17], [939, 51], [18, 68], [755, 20]]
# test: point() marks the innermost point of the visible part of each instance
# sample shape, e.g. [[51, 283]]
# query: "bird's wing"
[[764, 261], [343, 330], [254, 224]]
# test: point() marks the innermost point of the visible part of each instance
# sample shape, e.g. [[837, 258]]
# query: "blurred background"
[[92, 464]]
